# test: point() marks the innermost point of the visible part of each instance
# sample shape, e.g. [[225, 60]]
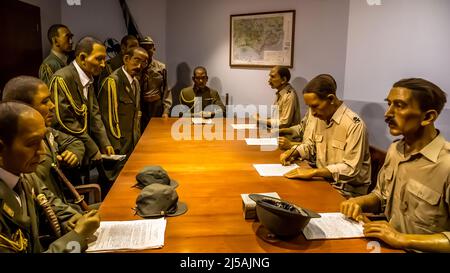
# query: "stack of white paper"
[[129, 235], [332, 226], [262, 141], [273, 169], [201, 121], [244, 126], [114, 157]]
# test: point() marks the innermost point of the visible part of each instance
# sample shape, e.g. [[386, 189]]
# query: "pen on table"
[[295, 148]]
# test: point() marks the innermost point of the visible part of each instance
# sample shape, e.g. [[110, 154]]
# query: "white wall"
[[103, 19], [50, 14], [398, 39], [198, 34]]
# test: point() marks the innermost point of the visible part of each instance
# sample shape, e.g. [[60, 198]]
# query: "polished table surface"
[[211, 176]]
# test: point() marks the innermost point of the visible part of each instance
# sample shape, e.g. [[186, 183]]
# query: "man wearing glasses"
[[119, 101]]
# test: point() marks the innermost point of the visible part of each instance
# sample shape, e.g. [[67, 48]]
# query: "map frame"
[[254, 46]]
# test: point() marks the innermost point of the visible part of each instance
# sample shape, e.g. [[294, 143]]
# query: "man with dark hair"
[[156, 96], [22, 130], [286, 103], [60, 38], [413, 186], [76, 106], [119, 100], [60, 149], [201, 93], [338, 140]]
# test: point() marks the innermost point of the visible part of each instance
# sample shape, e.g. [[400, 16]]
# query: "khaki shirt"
[[415, 189], [288, 108], [155, 83], [343, 148], [305, 127]]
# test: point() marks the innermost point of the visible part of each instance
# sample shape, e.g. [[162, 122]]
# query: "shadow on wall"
[[373, 116], [299, 83], [184, 79], [216, 83]]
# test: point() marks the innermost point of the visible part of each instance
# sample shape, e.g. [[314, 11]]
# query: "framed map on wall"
[[262, 39]]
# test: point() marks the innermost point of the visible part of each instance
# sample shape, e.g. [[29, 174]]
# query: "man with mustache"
[[60, 148], [60, 38], [338, 140], [119, 101], [77, 111], [413, 186], [22, 130]]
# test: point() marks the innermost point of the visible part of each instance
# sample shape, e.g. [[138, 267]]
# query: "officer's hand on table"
[[351, 209], [284, 143], [71, 223], [165, 116], [88, 223], [287, 157], [384, 231], [301, 173], [68, 158]]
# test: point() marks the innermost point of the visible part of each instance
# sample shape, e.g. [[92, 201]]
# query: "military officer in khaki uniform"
[[156, 95], [22, 130], [76, 106], [413, 186], [286, 101], [60, 38], [339, 140], [119, 100], [61, 149], [200, 98]]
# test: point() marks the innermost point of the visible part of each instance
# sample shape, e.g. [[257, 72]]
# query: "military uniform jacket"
[[208, 97], [414, 190], [120, 110], [14, 217], [57, 142], [49, 66], [70, 118], [288, 108], [343, 148], [154, 82]]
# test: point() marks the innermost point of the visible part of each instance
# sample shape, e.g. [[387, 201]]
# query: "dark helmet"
[[280, 217]]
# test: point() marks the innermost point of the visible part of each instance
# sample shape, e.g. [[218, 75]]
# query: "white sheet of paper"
[[201, 121], [262, 141], [273, 169], [332, 226], [129, 235], [244, 126], [114, 157]]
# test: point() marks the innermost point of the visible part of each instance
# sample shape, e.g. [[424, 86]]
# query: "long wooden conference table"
[[211, 177]]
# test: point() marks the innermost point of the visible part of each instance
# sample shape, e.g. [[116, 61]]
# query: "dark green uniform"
[[49, 66], [20, 223], [75, 114], [120, 110]]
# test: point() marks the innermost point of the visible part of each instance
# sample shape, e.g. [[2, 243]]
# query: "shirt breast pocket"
[[422, 203]]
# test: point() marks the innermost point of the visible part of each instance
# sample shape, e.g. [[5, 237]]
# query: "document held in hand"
[[129, 235], [332, 226]]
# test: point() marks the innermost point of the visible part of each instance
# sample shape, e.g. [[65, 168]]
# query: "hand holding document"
[[273, 169], [333, 226], [262, 141], [129, 235], [114, 157]]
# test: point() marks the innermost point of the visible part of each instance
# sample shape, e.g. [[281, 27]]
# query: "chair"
[[377, 160], [92, 193]]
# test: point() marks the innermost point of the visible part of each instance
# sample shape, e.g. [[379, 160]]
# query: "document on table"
[[244, 126], [332, 226], [129, 235], [273, 169], [201, 121], [114, 157], [262, 141]]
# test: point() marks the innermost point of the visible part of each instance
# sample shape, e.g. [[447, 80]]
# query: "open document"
[[129, 235], [262, 141], [198, 121], [332, 226], [244, 126], [273, 169]]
